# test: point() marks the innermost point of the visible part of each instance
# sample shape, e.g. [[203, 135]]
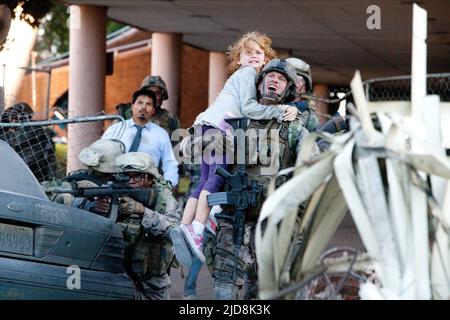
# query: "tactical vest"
[[270, 157], [157, 200], [145, 254]]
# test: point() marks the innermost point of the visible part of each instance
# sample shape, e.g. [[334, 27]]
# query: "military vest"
[[271, 147], [267, 151], [144, 253], [166, 120]]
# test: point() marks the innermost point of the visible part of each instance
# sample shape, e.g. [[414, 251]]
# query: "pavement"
[[346, 236]]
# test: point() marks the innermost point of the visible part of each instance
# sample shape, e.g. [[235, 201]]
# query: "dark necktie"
[[137, 139]]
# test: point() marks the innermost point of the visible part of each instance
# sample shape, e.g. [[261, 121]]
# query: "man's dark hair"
[[144, 92]]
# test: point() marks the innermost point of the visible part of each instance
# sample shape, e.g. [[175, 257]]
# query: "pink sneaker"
[[211, 223], [194, 240]]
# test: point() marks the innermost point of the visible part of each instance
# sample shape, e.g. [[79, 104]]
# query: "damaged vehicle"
[[53, 251]]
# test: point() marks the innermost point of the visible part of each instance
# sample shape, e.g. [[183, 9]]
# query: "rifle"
[[118, 187], [241, 194]]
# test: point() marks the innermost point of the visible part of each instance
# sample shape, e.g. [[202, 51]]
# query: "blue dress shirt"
[[155, 141]]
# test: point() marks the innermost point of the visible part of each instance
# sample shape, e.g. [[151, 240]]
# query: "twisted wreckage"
[[392, 173]]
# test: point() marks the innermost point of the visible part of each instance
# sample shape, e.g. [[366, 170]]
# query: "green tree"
[[52, 18], [30, 11], [53, 34]]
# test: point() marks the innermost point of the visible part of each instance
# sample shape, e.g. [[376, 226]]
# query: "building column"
[[321, 91], [87, 64], [166, 62], [13, 59], [217, 74]]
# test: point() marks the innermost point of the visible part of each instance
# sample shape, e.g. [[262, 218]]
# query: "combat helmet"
[[21, 112], [101, 155], [139, 162], [303, 70], [156, 81], [285, 68]]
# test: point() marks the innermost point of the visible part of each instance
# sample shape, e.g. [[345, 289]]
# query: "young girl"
[[238, 98]]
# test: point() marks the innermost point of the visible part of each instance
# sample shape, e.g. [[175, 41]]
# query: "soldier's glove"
[[102, 205], [128, 206]]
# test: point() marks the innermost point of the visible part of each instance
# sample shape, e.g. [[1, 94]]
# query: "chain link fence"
[[399, 88], [43, 145]]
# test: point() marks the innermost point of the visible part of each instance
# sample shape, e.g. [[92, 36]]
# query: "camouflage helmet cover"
[[285, 68], [138, 162], [101, 155], [302, 69], [156, 81]]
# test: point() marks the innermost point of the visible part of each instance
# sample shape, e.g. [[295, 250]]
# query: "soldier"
[[99, 158], [162, 117], [146, 227], [308, 116], [33, 144], [276, 84]]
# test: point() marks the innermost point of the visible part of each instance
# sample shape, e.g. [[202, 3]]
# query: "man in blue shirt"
[[144, 136]]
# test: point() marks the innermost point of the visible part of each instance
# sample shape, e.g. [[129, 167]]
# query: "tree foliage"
[[32, 10], [52, 18], [53, 37]]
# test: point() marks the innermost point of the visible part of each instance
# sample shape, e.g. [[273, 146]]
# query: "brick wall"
[[194, 84], [130, 68], [59, 84]]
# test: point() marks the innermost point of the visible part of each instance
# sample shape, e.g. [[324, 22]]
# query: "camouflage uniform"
[[149, 252], [166, 120], [307, 113], [292, 134], [228, 280]]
